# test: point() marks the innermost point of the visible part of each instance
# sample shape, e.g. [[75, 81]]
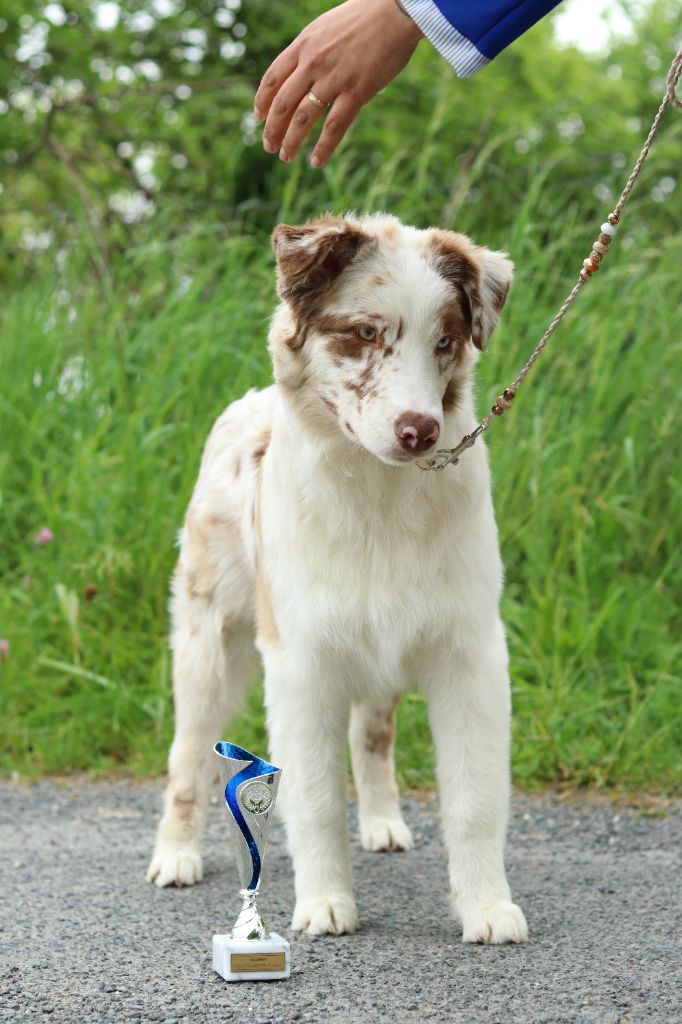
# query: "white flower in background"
[[106, 15], [21, 99], [32, 42], [230, 50], [141, 21], [164, 8], [184, 284], [249, 127], [194, 54], [571, 127], [149, 69], [194, 37], [73, 379], [143, 163], [131, 206], [35, 241], [124, 74], [54, 13], [223, 18], [665, 188], [603, 192]]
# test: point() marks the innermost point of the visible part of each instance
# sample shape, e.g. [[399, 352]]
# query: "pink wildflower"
[[4, 649], [43, 536]]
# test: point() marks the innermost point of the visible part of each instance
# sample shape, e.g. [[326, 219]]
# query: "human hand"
[[344, 58]]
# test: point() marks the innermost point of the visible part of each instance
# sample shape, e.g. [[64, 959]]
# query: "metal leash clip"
[[450, 456]]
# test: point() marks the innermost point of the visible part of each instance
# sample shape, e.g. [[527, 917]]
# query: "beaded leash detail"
[[450, 456]]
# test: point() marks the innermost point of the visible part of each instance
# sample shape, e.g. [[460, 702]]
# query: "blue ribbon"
[[254, 770]]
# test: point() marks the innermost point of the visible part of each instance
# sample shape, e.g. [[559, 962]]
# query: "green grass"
[[588, 489]]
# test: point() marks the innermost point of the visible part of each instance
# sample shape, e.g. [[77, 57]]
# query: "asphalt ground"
[[83, 938]]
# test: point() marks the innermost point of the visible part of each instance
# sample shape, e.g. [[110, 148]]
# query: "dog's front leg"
[[469, 709], [307, 722]]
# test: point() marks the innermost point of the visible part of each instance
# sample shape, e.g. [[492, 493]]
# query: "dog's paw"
[[173, 864], [383, 834], [495, 924], [325, 915]]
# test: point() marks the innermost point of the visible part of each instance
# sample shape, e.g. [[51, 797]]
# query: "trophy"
[[249, 952]]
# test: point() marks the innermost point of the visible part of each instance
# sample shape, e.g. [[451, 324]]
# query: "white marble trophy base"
[[251, 959]]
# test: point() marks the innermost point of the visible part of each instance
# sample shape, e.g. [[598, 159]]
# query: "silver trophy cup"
[[249, 952]]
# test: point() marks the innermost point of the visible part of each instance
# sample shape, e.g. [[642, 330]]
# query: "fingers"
[[283, 107], [307, 113], [272, 81], [339, 119], [282, 100]]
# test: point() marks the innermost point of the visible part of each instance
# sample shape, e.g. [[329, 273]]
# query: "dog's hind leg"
[[372, 732], [213, 663]]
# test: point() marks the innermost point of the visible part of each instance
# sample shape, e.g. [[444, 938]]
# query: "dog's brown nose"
[[415, 432]]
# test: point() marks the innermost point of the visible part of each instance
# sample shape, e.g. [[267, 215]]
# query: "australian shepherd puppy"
[[313, 540]]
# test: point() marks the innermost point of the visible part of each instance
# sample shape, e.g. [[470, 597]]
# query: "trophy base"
[[251, 959]]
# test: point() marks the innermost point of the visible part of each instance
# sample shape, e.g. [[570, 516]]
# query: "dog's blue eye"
[[443, 343], [367, 333]]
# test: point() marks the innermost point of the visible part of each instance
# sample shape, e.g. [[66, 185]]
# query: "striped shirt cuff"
[[451, 44]]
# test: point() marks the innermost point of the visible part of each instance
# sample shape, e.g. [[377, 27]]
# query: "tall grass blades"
[[109, 394]]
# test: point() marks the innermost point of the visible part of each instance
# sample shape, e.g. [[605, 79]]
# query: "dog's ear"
[[311, 257], [483, 276]]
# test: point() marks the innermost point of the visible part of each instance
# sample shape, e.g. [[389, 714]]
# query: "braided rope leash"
[[450, 456]]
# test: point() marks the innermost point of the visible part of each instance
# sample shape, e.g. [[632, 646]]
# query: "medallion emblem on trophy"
[[249, 952]]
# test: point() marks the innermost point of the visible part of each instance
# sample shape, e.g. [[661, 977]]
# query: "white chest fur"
[[370, 561]]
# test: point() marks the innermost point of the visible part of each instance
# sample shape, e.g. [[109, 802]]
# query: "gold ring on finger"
[[318, 102]]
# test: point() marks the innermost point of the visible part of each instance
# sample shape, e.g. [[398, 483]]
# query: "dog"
[[313, 539]]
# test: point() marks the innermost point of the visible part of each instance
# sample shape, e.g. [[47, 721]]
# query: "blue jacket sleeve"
[[469, 33]]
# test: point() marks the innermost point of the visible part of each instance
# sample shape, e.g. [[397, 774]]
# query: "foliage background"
[[135, 209]]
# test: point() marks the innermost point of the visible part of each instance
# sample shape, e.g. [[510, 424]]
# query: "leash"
[[450, 456]]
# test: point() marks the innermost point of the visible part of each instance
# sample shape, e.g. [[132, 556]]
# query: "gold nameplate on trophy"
[[244, 962]]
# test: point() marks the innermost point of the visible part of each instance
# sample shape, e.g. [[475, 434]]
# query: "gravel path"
[[84, 939]]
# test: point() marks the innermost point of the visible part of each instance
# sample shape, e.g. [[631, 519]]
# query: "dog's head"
[[379, 325]]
